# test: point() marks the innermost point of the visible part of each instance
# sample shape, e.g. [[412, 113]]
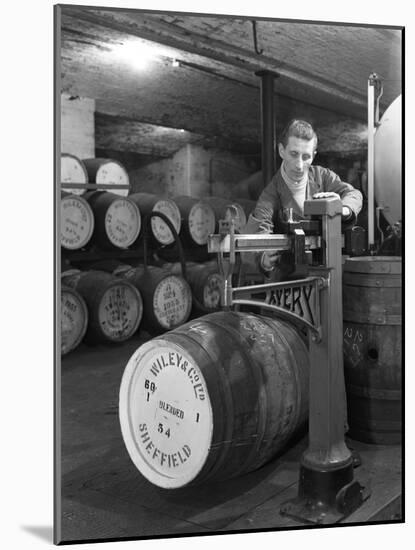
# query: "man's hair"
[[299, 129]]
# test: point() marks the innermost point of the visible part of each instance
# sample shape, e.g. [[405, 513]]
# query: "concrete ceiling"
[[213, 93]]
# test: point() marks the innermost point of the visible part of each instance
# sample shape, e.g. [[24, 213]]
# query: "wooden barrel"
[[148, 203], [167, 298], [236, 212], [372, 306], [225, 209], [198, 220], [247, 204], [108, 172], [220, 207], [213, 399], [115, 306], [117, 219], [74, 319], [205, 281], [73, 171], [77, 221], [239, 210]]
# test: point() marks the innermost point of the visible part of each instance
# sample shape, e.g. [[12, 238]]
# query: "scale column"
[[327, 448]]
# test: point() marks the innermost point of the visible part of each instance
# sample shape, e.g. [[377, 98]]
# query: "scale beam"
[[257, 243]]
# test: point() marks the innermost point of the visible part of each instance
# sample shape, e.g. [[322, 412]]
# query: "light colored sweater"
[[298, 191]]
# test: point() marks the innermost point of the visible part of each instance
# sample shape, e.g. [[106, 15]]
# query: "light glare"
[[137, 54]]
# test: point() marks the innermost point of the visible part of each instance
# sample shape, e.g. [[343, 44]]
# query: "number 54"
[[160, 429]]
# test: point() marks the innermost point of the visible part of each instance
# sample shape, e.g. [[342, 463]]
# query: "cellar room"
[[229, 283]]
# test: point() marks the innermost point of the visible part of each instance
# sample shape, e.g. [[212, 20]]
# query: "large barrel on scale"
[[115, 306], [213, 399], [117, 219], [77, 221], [108, 172], [372, 306]]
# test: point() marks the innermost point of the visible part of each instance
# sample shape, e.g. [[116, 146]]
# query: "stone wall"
[[194, 171]]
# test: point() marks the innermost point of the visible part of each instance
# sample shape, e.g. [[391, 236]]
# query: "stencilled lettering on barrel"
[[170, 409], [171, 359], [174, 359], [169, 460], [198, 388]]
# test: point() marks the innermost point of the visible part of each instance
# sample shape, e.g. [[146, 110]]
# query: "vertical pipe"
[[268, 138], [371, 160]]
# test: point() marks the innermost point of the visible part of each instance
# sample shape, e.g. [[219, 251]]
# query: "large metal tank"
[[388, 161]]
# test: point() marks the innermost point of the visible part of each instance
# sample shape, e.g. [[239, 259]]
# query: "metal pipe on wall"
[[268, 135], [370, 160]]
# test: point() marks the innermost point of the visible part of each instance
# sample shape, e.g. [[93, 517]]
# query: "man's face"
[[297, 156]]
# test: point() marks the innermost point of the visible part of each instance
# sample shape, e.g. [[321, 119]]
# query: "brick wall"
[[77, 126]]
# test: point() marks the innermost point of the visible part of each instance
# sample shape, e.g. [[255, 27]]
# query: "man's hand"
[[326, 195], [268, 260], [346, 211]]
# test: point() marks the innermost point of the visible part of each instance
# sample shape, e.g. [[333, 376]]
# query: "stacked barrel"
[[169, 275], [95, 306], [76, 216], [107, 219], [150, 206], [108, 305], [117, 219], [113, 218], [206, 283], [77, 221], [74, 319]]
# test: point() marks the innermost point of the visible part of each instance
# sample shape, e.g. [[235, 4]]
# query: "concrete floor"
[[104, 496]]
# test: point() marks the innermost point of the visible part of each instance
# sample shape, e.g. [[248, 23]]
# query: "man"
[[298, 180]]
